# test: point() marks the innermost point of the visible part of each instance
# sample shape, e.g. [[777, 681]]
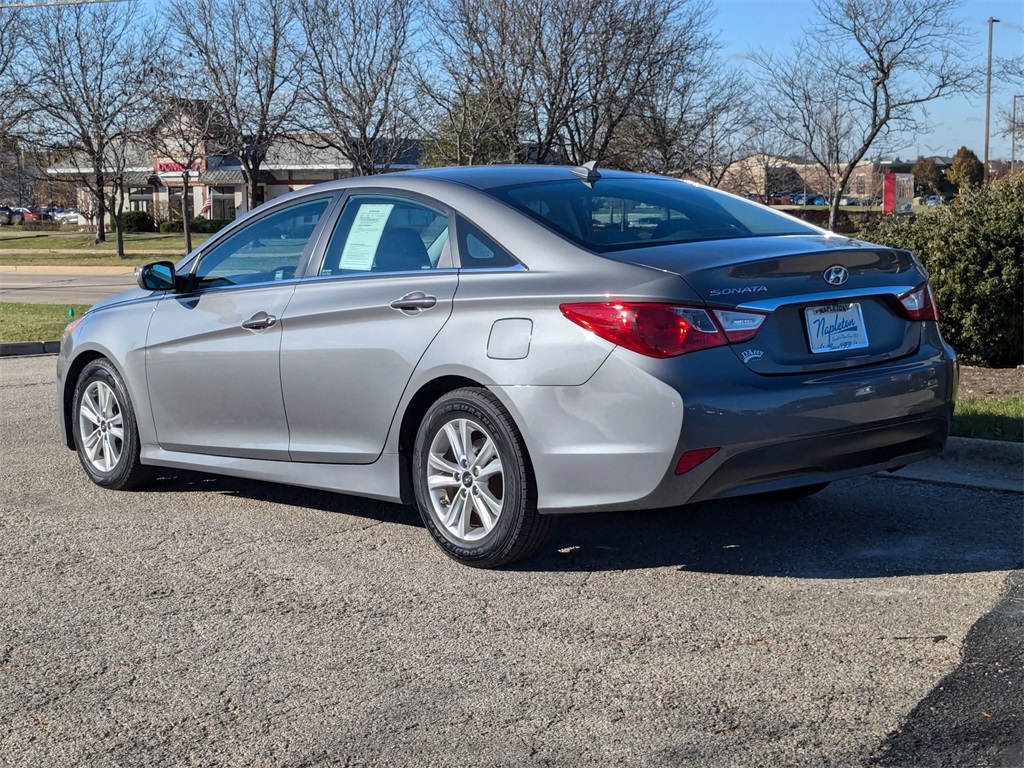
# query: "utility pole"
[[988, 92], [1014, 128]]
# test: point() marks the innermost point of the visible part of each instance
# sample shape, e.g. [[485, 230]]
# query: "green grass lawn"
[[77, 249], [35, 322], [991, 418]]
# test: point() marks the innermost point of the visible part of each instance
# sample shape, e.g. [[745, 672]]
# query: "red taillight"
[[663, 330], [691, 459], [655, 330], [919, 304]]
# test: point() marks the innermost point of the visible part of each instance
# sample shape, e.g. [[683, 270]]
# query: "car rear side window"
[[616, 214], [477, 250], [380, 233]]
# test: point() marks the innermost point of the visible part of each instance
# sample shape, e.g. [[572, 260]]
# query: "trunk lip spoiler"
[[770, 305]]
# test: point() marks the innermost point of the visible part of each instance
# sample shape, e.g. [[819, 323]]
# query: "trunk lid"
[[830, 302]]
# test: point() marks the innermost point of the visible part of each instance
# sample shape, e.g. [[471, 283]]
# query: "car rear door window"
[[385, 234]]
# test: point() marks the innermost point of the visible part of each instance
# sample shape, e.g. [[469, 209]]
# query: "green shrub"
[[199, 224], [973, 249], [137, 221]]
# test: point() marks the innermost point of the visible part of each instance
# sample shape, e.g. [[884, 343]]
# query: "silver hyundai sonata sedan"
[[502, 344]]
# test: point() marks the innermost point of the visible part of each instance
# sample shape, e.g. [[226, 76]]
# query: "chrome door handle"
[[414, 302], [259, 322]]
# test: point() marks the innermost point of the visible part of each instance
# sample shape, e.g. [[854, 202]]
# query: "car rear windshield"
[[617, 214]]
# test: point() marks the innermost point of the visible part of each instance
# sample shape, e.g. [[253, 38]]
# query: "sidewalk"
[[972, 463], [40, 269]]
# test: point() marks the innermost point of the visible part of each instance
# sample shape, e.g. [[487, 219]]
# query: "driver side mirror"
[[158, 276]]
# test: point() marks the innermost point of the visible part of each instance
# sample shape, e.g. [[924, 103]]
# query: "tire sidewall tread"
[[520, 529], [129, 472]]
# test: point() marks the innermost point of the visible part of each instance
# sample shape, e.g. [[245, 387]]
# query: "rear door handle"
[[414, 303], [259, 322]]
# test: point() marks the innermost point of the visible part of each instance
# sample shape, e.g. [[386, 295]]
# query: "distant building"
[[155, 183]]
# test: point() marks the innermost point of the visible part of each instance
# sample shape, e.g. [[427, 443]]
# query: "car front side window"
[[267, 250]]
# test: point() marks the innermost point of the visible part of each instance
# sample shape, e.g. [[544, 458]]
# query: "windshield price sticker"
[[835, 327]]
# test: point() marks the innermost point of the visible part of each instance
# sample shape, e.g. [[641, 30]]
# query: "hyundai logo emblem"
[[836, 275]]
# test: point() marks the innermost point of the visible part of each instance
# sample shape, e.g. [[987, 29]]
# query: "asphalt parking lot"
[[214, 621]]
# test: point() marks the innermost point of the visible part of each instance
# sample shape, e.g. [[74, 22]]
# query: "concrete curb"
[[993, 465], [27, 348], [971, 463]]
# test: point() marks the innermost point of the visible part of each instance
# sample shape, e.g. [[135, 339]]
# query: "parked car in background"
[[28, 214], [467, 340], [933, 200], [67, 217], [11, 216]]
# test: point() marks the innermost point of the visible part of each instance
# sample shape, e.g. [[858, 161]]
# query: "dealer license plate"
[[835, 327]]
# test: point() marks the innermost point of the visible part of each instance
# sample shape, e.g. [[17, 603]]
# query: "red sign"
[[170, 167]]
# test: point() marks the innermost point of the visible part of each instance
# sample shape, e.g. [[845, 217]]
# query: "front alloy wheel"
[[106, 434], [101, 425], [474, 488]]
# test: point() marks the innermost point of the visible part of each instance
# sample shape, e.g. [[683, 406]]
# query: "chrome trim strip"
[[770, 305]]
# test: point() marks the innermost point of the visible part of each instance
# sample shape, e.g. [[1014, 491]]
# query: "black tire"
[[100, 410], [484, 540], [17, 219], [792, 494]]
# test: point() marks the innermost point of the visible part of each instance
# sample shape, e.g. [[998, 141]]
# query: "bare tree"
[[359, 78], [626, 49], [250, 70], [89, 92], [464, 128], [559, 79], [695, 122], [476, 82], [867, 68], [13, 83], [185, 134]]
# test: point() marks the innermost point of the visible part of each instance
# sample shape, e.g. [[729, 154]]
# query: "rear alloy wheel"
[[106, 435], [473, 486]]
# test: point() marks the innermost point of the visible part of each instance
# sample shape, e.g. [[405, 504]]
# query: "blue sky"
[[745, 25]]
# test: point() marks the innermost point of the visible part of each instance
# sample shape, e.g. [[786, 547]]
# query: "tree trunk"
[[252, 178], [186, 220], [833, 212], [101, 205], [118, 205]]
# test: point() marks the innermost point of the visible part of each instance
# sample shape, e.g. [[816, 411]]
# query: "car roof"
[[490, 176]]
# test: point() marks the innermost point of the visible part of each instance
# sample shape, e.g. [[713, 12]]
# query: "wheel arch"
[[73, 372], [417, 408]]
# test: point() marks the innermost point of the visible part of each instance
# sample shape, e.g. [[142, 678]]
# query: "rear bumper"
[[613, 443]]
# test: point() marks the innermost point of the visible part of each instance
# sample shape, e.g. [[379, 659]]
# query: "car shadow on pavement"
[[860, 528], [854, 529], [186, 481]]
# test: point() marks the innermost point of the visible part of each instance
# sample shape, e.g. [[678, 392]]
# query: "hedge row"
[[199, 224], [974, 250]]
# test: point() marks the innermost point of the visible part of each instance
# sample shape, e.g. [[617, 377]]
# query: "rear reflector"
[[691, 459]]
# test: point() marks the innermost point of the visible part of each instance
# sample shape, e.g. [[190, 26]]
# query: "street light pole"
[[988, 92], [1014, 127]]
